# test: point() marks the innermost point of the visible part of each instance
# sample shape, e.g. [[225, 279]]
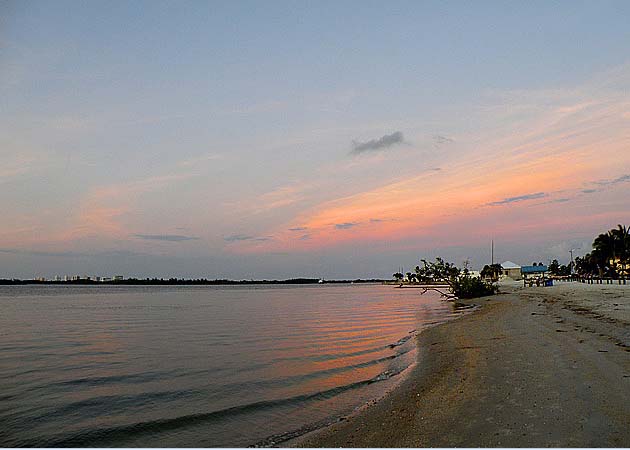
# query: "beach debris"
[[400, 341]]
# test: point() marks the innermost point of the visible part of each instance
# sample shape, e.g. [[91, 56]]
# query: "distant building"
[[118, 278], [534, 274], [511, 270]]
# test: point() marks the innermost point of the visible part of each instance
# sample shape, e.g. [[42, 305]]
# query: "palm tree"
[[622, 245]]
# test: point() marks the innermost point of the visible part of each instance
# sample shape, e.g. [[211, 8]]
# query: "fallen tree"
[[459, 283]]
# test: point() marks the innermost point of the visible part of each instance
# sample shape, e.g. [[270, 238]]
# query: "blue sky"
[[189, 138]]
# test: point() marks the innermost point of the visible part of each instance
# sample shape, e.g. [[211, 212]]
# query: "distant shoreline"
[[185, 282]]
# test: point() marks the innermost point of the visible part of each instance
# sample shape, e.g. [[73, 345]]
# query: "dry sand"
[[533, 367]]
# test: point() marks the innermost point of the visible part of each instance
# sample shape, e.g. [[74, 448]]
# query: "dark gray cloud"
[[381, 143], [298, 229], [305, 237], [621, 179], [520, 198], [345, 225], [603, 184], [244, 237], [166, 237], [559, 200], [379, 220]]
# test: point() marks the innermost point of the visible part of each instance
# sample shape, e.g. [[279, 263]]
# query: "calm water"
[[197, 366]]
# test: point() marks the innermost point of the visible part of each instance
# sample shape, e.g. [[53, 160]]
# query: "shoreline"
[[532, 367], [289, 439]]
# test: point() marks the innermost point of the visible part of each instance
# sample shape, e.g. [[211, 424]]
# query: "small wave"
[[112, 404], [127, 378], [120, 434], [277, 439], [284, 381]]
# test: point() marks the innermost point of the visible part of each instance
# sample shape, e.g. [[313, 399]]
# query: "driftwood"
[[447, 295]]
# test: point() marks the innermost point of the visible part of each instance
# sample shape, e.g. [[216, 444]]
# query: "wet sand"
[[533, 367]]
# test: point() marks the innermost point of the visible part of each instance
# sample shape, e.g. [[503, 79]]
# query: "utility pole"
[[492, 252]]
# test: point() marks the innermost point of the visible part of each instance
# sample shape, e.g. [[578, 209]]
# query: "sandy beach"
[[532, 367]]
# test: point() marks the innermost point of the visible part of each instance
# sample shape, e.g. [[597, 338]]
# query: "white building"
[[511, 270]]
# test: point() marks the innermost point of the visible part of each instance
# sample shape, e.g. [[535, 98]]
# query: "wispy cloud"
[[381, 220], [298, 229], [520, 198], [621, 179], [166, 237], [381, 143], [71, 254], [15, 251], [559, 200], [607, 183], [244, 237], [439, 141], [280, 197], [194, 161], [21, 163], [345, 225]]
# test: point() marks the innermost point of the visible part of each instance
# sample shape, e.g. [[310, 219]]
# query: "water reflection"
[[196, 366]]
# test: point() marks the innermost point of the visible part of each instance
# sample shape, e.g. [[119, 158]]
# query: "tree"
[[439, 271], [398, 276], [564, 270], [491, 271], [459, 283], [622, 243], [554, 267], [610, 255]]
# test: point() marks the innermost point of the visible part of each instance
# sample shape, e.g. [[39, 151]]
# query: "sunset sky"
[[333, 139]]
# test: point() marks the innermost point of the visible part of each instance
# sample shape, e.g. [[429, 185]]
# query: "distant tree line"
[[610, 256], [555, 268], [187, 282]]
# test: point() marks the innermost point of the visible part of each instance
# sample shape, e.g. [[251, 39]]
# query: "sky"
[[250, 140]]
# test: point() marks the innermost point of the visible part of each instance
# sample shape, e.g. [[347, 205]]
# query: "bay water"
[[198, 366]]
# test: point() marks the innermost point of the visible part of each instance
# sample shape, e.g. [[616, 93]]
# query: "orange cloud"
[[580, 143]]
